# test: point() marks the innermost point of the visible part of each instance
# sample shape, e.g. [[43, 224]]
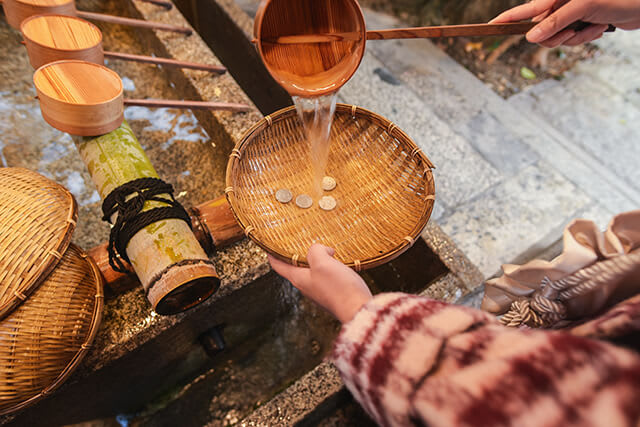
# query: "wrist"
[[350, 306]]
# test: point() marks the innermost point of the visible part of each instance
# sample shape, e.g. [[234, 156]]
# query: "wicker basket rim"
[[392, 129], [64, 240], [96, 319]]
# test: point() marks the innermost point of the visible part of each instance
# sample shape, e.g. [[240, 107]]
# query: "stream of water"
[[316, 115]]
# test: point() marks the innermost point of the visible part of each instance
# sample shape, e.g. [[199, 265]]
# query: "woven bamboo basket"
[[385, 189], [51, 291], [37, 218], [45, 338]]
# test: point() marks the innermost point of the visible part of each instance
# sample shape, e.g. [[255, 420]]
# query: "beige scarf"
[[567, 285]]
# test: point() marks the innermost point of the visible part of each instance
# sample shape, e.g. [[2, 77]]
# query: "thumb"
[[318, 254]]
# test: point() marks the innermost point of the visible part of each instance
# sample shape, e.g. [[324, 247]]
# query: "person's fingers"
[[318, 254], [590, 33], [299, 277], [556, 22], [558, 39], [525, 11]]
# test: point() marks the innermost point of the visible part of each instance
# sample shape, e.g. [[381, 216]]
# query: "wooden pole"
[[133, 22], [167, 5], [410, 33], [218, 69], [170, 263], [190, 105]]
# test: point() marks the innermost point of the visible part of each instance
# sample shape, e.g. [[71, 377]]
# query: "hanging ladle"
[[50, 38], [17, 11], [84, 98], [312, 48]]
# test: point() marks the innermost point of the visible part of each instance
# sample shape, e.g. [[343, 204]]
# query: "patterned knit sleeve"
[[410, 360]]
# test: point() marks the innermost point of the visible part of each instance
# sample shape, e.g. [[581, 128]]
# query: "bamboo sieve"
[[37, 218], [385, 190], [51, 291], [45, 338]]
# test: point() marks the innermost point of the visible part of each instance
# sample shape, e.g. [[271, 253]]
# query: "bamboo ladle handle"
[[190, 105], [165, 61], [410, 33], [468, 30], [133, 22]]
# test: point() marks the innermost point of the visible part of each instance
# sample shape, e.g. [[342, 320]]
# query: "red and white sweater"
[[410, 360]]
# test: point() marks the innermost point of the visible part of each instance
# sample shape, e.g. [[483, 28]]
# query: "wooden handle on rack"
[[218, 69], [161, 3], [133, 22], [188, 105]]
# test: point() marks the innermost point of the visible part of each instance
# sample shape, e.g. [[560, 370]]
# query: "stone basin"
[[173, 370]]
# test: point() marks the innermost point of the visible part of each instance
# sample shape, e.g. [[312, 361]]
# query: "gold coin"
[[327, 203], [328, 183], [283, 195], [303, 201]]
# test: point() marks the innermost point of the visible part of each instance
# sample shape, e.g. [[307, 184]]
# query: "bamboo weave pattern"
[[44, 339], [385, 190], [38, 217]]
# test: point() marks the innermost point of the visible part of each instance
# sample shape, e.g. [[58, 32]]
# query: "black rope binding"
[[130, 217]]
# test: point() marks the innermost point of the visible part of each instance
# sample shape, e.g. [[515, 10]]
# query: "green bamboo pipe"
[[170, 263]]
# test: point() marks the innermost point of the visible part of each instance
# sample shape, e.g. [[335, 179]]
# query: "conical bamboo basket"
[[37, 218], [385, 190], [50, 291]]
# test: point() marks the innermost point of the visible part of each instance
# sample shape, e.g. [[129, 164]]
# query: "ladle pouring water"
[[312, 48]]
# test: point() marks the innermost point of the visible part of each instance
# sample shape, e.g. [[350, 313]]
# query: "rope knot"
[[127, 201]]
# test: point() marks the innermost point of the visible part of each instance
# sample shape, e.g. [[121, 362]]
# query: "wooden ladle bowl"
[[80, 97], [17, 11], [310, 69], [50, 38]]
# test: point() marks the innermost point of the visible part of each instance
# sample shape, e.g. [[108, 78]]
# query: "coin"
[[327, 203], [303, 201], [283, 195], [328, 183]]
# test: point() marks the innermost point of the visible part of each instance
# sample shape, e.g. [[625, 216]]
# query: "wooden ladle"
[[312, 48], [50, 38], [84, 98], [17, 11]]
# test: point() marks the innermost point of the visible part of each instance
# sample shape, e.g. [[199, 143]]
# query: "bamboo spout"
[[214, 226], [172, 266]]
